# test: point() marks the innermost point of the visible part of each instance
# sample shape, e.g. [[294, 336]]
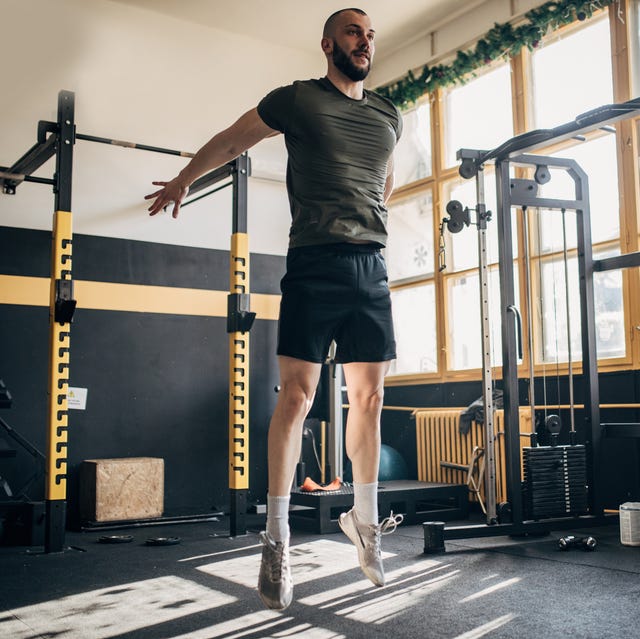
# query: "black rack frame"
[[514, 152]]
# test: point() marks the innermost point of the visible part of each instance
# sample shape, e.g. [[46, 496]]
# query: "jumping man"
[[340, 140]]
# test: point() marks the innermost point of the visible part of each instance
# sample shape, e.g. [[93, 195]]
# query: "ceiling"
[[298, 23]]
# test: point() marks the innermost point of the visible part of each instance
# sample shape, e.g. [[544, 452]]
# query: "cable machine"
[[583, 503], [58, 138]]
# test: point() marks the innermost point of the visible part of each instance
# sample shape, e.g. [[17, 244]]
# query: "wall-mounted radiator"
[[438, 439]]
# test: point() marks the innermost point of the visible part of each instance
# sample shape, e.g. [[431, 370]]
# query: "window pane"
[[409, 252], [464, 340], [461, 249], [553, 347], [607, 292], [609, 312], [572, 75], [412, 157], [598, 160], [414, 316], [478, 114]]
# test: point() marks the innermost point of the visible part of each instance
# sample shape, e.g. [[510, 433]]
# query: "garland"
[[502, 41]]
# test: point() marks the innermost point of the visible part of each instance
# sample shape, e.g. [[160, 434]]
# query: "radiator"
[[438, 439]]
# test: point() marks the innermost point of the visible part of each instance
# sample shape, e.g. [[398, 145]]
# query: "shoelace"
[[386, 527], [276, 561], [392, 521]]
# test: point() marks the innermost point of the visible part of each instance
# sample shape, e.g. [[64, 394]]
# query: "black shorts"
[[336, 292]]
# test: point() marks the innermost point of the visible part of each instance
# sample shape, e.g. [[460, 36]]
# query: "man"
[[340, 139]]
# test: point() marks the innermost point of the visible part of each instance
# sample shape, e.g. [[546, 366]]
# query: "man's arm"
[[390, 181], [227, 145]]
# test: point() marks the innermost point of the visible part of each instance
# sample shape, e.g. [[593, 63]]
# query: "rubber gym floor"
[[204, 587]]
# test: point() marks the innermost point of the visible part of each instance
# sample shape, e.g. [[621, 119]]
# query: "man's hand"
[[171, 192]]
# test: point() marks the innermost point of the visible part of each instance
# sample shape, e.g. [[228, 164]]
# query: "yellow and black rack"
[[58, 139]]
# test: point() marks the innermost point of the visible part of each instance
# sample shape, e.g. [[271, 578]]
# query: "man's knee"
[[295, 400], [369, 400]]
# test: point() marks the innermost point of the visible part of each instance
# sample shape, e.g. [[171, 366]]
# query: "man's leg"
[[365, 390], [298, 382]]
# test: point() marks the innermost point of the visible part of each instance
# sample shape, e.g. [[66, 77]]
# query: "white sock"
[[278, 517], [365, 502]]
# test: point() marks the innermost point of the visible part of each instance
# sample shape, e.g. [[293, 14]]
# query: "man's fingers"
[[176, 210]]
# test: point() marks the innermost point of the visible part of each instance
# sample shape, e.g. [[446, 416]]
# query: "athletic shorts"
[[336, 292]]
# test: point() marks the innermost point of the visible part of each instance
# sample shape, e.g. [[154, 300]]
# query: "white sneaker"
[[275, 584], [366, 538]]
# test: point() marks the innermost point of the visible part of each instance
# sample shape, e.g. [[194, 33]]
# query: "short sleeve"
[[399, 125], [276, 108]]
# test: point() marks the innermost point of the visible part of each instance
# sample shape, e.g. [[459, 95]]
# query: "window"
[[412, 157], [409, 253], [572, 74], [414, 312], [478, 114], [568, 74], [598, 159], [410, 258]]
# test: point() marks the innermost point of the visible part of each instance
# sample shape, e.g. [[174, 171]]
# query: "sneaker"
[[366, 538], [275, 585]]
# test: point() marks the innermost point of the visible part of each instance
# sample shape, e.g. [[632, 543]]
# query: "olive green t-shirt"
[[338, 150]]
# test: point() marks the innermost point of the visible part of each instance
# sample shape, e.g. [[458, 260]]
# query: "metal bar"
[[31, 161], [565, 261], [59, 334], [628, 260], [591, 390], [487, 384], [213, 177], [621, 430], [509, 350], [545, 203], [17, 178], [594, 119], [239, 356], [529, 306], [207, 194], [64, 151], [133, 145]]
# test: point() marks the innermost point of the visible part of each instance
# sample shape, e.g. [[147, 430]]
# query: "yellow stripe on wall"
[[136, 298]]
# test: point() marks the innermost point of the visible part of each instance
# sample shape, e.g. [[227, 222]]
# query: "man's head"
[[347, 41]]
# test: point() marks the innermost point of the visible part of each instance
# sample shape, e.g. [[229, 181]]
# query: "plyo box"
[[121, 489]]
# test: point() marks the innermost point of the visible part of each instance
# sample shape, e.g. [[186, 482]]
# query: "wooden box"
[[121, 489]]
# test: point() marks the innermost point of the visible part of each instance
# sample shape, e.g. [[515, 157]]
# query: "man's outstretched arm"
[[223, 147]]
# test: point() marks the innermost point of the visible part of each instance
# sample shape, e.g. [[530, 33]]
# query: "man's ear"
[[327, 45]]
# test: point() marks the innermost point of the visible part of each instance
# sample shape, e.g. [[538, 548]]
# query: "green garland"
[[502, 41]]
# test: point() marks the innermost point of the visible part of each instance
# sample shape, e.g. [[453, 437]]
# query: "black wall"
[[157, 383]]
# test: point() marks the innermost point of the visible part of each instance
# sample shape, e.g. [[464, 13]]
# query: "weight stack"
[[555, 481]]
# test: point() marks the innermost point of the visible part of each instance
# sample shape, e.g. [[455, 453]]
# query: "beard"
[[342, 61]]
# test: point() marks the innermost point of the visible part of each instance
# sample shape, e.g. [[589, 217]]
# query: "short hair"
[[329, 25]]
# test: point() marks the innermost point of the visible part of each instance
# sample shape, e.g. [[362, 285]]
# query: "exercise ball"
[[392, 464]]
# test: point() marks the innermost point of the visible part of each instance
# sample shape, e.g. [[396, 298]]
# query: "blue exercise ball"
[[392, 466]]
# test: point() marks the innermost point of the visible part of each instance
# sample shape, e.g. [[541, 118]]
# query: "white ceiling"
[[298, 23]]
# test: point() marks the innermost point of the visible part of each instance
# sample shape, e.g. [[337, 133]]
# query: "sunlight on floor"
[[113, 611], [310, 561]]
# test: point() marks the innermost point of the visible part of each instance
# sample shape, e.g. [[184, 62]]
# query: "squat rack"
[[517, 192], [58, 139]]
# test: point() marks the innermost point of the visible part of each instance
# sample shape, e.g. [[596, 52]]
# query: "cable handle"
[[516, 313]]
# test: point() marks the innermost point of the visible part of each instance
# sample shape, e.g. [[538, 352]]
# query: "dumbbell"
[[570, 541]]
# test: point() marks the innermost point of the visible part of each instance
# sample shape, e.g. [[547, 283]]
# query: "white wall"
[[441, 41], [141, 77]]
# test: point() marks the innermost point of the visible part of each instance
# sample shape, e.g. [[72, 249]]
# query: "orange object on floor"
[[309, 486]]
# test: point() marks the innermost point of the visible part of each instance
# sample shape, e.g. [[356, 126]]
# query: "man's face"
[[353, 46]]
